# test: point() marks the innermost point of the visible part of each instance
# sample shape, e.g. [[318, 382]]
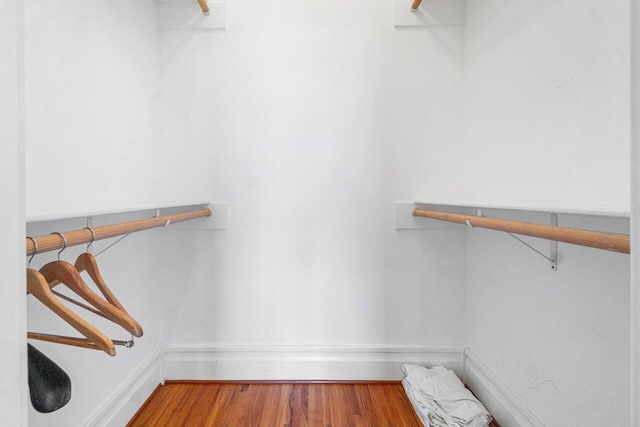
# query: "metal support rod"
[[78, 342], [530, 247], [52, 242], [112, 245], [78, 303], [594, 239], [554, 244]]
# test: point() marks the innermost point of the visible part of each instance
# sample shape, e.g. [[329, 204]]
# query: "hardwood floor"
[[286, 404], [211, 404]]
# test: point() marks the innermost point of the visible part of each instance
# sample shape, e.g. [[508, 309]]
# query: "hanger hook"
[[64, 239], [35, 250], [93, 237]]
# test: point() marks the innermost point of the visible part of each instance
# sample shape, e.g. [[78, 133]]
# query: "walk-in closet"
[[357, 195]]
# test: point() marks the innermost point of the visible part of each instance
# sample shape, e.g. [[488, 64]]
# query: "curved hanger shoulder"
[[38, 286], [63, 272], [87, 262]]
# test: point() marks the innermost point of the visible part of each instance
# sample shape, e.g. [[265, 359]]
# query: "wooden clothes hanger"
[[87, 262], [38, 286], [62, 272]]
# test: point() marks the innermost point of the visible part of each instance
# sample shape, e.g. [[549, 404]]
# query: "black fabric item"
[[49, 385]]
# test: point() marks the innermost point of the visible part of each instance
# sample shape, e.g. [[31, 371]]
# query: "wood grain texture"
[[282, 404], [38, 286], [63, 272], [595, 239], [87, 262], [204, 6], [52, 242]]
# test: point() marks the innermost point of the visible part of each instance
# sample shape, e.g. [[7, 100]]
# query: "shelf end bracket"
[[553, 252]]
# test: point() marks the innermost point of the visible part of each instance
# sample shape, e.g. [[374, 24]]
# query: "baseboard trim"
[[124, 403], [305, 364], [295, 382], [301, 363], [501, 403]]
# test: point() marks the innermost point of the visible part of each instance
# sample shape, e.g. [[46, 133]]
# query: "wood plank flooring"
[[258, 404], [295, 405]]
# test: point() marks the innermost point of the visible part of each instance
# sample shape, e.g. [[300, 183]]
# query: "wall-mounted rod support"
[[204, 6], [532, 248], [594, 239], [415, 5], [51, 242]]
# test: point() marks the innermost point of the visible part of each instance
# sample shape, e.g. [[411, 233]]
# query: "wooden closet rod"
[[594, 239], [204, 6], [416, 4], [51, 242]]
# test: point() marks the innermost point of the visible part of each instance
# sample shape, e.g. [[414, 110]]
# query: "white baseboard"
[[301, 362], [221, 362], [206, 362], [129, 397], [501, 403]]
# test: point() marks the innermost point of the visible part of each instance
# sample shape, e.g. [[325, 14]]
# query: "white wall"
[[311, 122], [557, 340], [547, 110], [635, 213], [91, 144], [547, 103], [91, 94], [13, 354], [96, 377], [130, 269]]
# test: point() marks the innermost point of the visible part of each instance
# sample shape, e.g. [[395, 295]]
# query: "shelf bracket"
[[553, 251]]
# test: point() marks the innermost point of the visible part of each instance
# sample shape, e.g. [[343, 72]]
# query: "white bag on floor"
[[441, 400]]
